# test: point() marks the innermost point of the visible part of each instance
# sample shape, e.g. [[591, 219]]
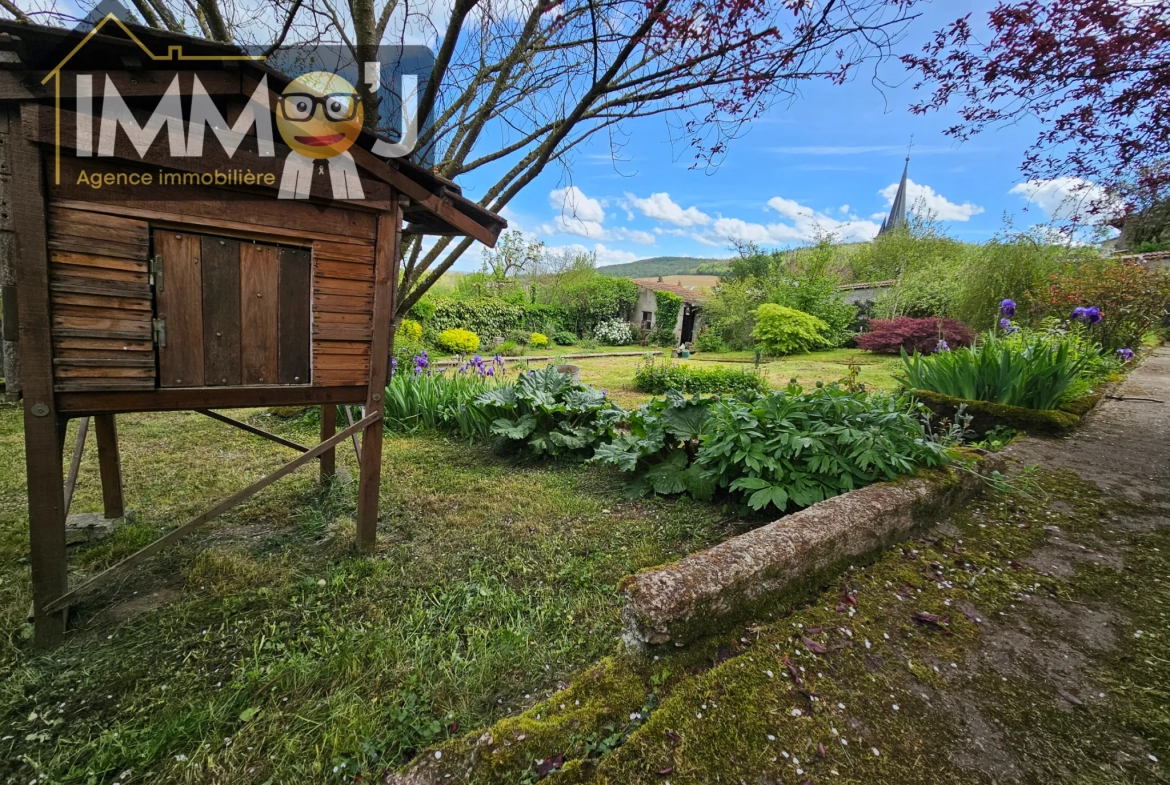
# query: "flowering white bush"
[[614, 332]]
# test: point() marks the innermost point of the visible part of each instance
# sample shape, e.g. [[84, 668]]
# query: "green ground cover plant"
[[779, 450], [546, 413], [658, 377]]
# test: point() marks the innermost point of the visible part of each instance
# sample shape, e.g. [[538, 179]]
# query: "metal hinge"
[[156, 272], [159, 328]]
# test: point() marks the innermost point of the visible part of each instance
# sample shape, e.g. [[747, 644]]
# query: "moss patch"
[[987, 416], [947, 660]]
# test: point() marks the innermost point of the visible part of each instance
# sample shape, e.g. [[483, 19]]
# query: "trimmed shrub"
[[889, 336], [565, 338], [659, 377], [538, 340], [781, 330], [486, 316], [458, 341], [410, 331]]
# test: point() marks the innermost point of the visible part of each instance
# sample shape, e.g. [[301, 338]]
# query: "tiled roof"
[[693, 296]]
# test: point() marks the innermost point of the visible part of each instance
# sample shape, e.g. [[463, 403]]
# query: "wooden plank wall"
[[343, 304], [101, 301]]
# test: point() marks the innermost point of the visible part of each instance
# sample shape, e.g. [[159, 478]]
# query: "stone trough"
[[680, 602]]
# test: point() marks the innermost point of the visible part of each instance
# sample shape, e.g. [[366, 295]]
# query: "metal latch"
[[156, 272], [159, 327]]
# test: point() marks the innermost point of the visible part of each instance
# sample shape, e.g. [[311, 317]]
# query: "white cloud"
[[605, 255], [918, 196], [802, 224], [577, 213], [1063, 197], [662, 208], [844, 209], [635, 235]]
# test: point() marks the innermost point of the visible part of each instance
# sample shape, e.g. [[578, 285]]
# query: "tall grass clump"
[[428, 400], [1035, 372]]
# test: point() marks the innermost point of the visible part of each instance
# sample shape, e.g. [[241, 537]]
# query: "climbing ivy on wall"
[[669, 304]]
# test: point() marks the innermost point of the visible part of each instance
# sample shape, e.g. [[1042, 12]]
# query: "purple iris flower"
[[942, 346], [489, 371], [393, 366], [1007, 307], [1125, 354], [498, 360], [1090, 315], [1006, 325]]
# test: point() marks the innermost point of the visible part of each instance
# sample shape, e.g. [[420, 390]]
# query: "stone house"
[[689, 321]]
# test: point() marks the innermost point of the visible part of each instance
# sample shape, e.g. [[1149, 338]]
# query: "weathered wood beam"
[[219, 509], [328, 428], [357, 447], [75, 464], [385, 294], [42, 435], [185, 399], [243, 426], [109, 466]]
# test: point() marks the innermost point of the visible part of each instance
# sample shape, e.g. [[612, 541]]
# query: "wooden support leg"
[[46, 520], [328, 428], [385, 296], [23, 191], [110, 466]]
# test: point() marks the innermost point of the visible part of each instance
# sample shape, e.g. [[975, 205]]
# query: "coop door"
[[230, 312]]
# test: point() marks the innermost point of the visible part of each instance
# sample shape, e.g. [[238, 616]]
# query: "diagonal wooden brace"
[[217, 510], [243, 426]]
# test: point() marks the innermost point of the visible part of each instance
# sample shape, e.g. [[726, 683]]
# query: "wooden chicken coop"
[[185, 292]]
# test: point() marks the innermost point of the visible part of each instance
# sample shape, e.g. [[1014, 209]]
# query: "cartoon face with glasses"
[[319, 117]]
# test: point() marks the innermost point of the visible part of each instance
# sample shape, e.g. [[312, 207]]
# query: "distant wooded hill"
[[667, 265]]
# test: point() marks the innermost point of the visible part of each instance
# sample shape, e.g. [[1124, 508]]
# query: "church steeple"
[[897, 215]]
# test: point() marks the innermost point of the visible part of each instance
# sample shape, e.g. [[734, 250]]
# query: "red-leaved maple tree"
[[1096, 73]]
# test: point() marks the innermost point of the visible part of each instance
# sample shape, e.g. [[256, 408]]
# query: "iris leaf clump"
[[1034, 372]]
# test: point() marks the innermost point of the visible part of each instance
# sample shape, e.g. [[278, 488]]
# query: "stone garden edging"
[[683, 601]]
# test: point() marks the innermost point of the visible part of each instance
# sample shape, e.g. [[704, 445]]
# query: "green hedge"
[[656, 378], [491, 317]]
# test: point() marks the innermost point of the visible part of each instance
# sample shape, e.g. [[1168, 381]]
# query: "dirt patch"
[[136, 605]]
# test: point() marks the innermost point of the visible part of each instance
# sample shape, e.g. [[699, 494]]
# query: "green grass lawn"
[[616, 374], [261, 650]]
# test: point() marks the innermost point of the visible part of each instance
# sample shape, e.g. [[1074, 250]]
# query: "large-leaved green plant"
[[546, 413]]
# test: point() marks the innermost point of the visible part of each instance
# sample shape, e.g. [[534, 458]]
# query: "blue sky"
[[830, 159]]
